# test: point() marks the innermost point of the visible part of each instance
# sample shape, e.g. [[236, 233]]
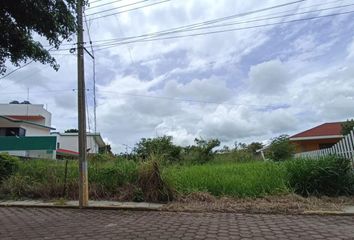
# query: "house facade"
[[319, 137], [25, 131], [67, 144]]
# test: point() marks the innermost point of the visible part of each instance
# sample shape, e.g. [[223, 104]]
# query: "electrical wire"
[[208, 22], [112, 9], [128, 10], [93, 74], [16, 69], [104, 4], [166, 32], [182, 99], [100, 47]]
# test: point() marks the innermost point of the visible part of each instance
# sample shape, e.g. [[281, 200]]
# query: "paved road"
[[41, 223]]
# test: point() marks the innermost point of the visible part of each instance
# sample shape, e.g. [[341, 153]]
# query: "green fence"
[[28, 143]]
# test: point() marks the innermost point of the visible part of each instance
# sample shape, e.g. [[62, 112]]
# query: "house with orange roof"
[[319, 137]]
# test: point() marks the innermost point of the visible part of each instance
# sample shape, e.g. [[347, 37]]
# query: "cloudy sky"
[[253, 80]]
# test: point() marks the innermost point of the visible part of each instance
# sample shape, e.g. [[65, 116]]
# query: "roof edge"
[[27, 122], [315, 137]]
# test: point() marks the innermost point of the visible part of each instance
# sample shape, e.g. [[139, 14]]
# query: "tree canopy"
[[23, 20], [347, 126]]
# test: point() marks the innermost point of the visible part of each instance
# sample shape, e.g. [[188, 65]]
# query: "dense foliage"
[[331, 176], [157, 146], [280, 149], [202, 152], [113, 178], [347, 126], [8, 166], [53, 20]]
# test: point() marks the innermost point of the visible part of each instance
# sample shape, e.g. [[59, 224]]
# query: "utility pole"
[[83, 181]]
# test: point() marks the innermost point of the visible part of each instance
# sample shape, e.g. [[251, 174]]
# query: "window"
[[12, 132], [325, 145]]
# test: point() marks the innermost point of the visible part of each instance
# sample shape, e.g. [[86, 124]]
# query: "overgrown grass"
[[46, 179], [118, 179], [254, 179], [330, 176]]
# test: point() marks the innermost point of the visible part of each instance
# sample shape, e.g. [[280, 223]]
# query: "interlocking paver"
[[42, 223]]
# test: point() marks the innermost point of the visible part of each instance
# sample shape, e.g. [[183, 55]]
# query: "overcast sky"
[[243, 85]]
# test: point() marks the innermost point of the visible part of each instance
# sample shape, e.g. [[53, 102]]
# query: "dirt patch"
[[290, 204]]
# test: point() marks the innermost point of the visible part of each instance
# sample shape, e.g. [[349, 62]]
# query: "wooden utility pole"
[[83, 181]]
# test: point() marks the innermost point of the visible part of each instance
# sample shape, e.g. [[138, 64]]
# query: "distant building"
[[319, 137], [67, 144], [25, 131]]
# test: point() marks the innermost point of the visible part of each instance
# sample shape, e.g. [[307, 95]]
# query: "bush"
[[162, 146], [202, 152], [45, 179], [280, 149], [153, 186], [330, 176], [8, 166]]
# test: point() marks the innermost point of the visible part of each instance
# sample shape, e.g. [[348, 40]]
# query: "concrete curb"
[[159, 207], [118, 206]]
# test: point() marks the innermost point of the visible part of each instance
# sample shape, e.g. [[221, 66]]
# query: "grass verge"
[[254, 179]]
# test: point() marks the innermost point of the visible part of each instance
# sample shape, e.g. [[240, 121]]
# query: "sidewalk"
[[143, 206], [92, 204]]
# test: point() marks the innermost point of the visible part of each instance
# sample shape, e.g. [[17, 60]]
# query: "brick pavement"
[[52, 223]]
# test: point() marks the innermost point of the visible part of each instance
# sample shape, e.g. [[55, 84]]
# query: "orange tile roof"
[[326, 129]]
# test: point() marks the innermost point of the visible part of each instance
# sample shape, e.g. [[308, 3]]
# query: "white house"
[[25, 131], [67, 143]]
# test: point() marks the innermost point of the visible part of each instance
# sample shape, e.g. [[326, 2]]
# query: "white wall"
[[33, 154], [32, 130], [27, 110], [71, 142]]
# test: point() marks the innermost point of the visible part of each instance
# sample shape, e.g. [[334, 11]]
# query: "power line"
[[16, 69], [104, 4], [99, 47], [229, 17], [230, 24], [30, 75], [93, 75], [112, 9], [183, 99], [128, 10], [95, 1]]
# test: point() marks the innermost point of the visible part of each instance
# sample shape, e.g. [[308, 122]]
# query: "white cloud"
[[269, 78]]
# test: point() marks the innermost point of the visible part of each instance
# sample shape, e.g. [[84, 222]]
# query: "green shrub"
[[151, 183], [253, 179], [202, 152], [280, 149], [8, 166], [45, 179], [162, 146], [331, 176]]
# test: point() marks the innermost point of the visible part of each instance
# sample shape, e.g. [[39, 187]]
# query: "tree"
[[53, 20], [253, 147], [160, 146], [202, 152], [71, 130], [347, 126], [280, 148]]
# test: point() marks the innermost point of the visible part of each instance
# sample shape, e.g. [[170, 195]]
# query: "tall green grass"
[[330, 176], [254, 179], [46, 179]]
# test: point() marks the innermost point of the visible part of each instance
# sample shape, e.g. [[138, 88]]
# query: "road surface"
[[54, 223]]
